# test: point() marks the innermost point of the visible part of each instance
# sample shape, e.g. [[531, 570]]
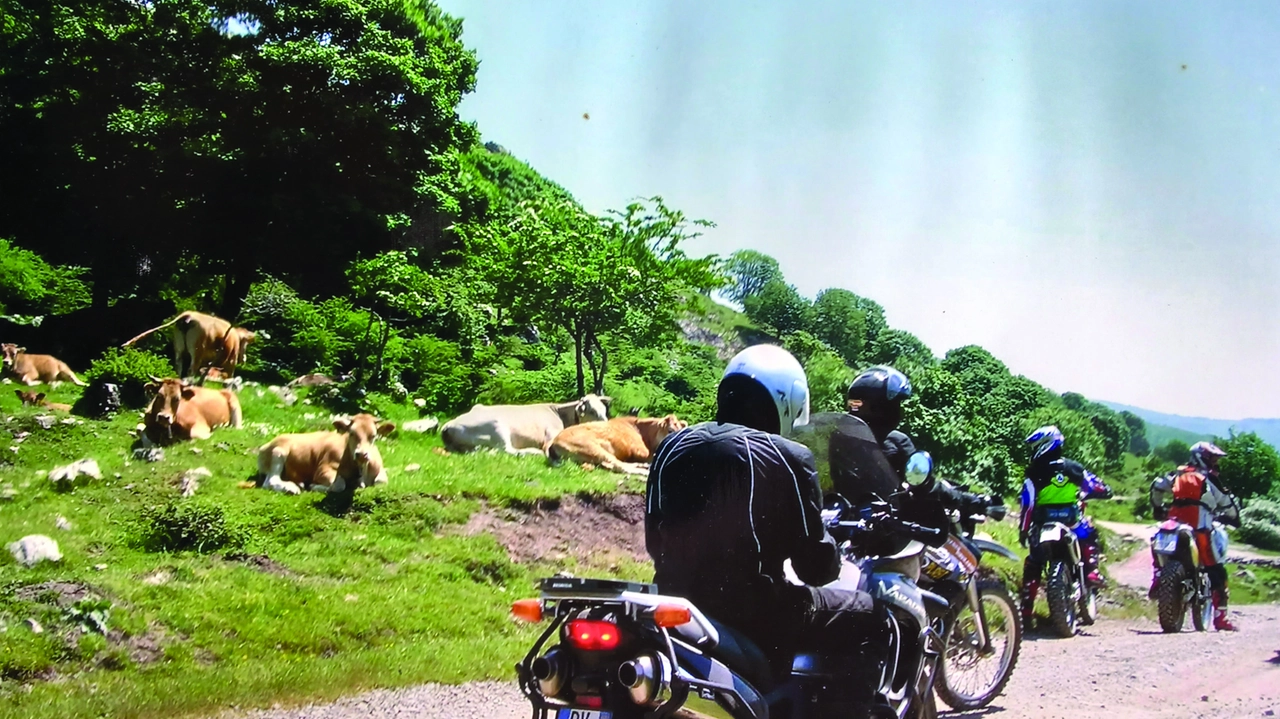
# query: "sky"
[[1089, 190]]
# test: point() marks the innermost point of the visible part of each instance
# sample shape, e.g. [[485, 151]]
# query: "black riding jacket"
[[725, 505]]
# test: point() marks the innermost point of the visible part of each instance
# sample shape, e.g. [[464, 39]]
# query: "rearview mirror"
[[919, 468]]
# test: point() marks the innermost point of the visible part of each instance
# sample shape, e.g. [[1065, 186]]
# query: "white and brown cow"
[[519, 428], [183, 411], [35, 369], [205, 340], [326, 461]]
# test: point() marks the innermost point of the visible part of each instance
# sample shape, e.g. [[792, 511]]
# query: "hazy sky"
[[1087, 189]]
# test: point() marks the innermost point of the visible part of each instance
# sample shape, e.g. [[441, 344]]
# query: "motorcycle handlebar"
[[893, 524]]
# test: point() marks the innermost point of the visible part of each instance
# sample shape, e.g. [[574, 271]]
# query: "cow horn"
[[156, 379]]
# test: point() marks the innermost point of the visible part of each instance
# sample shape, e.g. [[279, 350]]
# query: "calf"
[[181, 411], [37, 400], [36, 369], [623, 444], [326, 461], [519, 429]]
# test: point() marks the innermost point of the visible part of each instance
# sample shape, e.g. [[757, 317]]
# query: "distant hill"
[[1196, 428]]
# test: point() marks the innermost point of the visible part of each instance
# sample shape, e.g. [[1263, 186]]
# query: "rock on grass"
[[35, 548]]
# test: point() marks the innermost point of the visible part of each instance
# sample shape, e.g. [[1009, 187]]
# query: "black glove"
[[1022, 538]]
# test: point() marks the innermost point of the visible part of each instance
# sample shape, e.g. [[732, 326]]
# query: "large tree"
[[749, 271], [1251, 467], [838, 321], [225, 136]]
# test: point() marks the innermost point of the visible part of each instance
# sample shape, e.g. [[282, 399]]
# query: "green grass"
[[1251, 584], [371, 592]]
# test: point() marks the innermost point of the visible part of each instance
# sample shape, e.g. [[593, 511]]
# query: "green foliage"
[[31, 288], [1138, 443], [181, 526], [778, 305], [749, 272], [839, 322], [829, 379], [90, 614], [898, 347], [1175, 451], [1083, 443], [130, 368], [1251, 467], [1260, 523], [1111, 426]]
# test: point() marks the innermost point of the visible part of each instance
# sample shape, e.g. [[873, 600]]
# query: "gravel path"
[[1116, 669]]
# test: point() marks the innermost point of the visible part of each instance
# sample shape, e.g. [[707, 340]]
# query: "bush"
[[31, 286], [186, 526], [1260, 524], [131, 369]]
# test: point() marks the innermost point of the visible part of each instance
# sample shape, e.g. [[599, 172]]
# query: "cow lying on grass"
[[325, 461], [182, 411], [36, 399], [207, 340], [36, 369], [623, 444], [519, 428]]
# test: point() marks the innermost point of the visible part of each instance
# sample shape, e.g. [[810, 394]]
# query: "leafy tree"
[[895, 347], [247, 134], [778, 305], [829, 379], [838, 321], [1138, 443], [31, 288], [1175, 451], [749, 271], [1082, 441], [1251, 467]]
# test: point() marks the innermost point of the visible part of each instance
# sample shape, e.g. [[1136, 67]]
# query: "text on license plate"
[[582, 714]]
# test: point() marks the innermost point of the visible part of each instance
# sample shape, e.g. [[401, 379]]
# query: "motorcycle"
[[1073, 600], [982, 629], [1182, 578], [618, 650]]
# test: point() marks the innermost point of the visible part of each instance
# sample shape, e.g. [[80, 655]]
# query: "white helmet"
[[779, 373]]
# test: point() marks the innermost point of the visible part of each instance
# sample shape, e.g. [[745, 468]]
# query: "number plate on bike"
[[1165, 542], [582, 714]]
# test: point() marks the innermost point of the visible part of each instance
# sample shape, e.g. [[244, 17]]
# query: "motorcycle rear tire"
[[988, 591], [1169, 589], [1062, 609]]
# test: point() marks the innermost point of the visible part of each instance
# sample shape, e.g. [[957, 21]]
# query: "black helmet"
[[879, 385]]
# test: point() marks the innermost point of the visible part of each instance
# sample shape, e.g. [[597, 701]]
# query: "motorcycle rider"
[[728, 501], [1053, 482], [1197, 497]]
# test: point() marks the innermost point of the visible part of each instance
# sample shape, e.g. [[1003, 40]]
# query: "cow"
[[37, 400], [183, 411], [326, 461], [32, 370], [519, 428], [623, 444], [207, 340]]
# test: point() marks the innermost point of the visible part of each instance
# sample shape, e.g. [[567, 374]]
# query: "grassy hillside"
[[1158, 434], [306, 596]]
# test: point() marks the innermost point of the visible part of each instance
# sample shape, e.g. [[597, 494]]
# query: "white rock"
[[46, 421], [69, 473], [99, 567], [191, 480], [8, 494], [419, 402], [62, 523], [412, 467], [196, 450], [35, 548], [35, 626], [426, 424]]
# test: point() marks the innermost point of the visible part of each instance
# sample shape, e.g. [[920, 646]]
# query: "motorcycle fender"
[[997, 548], [893, 588], [698, 666], [1052, 533]]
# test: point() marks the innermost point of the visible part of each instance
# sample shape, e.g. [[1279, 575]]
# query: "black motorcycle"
[[617, 650]]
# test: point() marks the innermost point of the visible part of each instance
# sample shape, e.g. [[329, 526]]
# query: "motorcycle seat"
[[743, 656]]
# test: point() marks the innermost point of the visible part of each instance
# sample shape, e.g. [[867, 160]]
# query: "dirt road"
[[1116, 669]]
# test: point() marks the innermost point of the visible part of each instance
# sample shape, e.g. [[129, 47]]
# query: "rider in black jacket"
[[729, 501]]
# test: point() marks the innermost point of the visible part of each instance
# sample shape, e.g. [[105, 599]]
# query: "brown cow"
[[36, 369], [181, 411], [37, 400], [326, 461], [623, 444], [207, 340]]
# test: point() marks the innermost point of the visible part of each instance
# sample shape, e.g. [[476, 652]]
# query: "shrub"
[[184, 526], [1260, 524], [131, 369], [31, 286]]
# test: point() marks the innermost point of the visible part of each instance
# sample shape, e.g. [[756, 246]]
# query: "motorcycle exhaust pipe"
[[550, 670], [647, 678]]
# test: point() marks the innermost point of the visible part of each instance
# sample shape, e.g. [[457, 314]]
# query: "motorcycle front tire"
[[994, 592]]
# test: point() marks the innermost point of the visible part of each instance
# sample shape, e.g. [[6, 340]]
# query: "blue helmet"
[[1048, 442]]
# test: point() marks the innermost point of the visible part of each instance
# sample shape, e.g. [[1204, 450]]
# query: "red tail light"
[[593, 635]]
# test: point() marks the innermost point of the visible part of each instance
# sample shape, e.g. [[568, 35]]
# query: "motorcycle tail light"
[[592, 635]]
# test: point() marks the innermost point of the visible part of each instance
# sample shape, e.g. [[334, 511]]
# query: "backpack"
[[1161, 493]]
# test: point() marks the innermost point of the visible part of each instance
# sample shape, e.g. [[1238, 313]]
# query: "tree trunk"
[[598, 383], [577, 351]]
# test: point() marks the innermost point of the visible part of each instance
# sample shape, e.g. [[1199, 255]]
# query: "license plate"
[[583, 714], [1166, 543]]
